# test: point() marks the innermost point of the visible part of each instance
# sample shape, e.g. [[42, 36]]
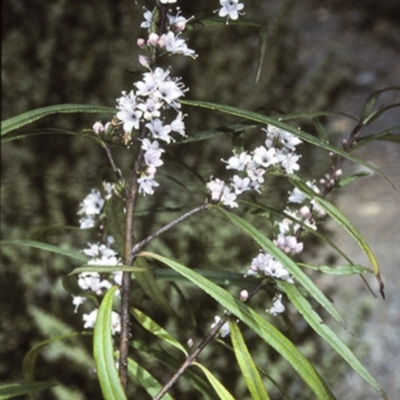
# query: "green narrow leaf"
[[50, 131], [219, 388], [323, 134], [289, 264], [389, 135], [278, 123], [339, 270], [150, 286], [11, 390], [373, 97], [146, 380], [349, 179], [260, 326], [262, 48], [28, 364], [330, 209], [247, 366], [314, 320], [156, 329], [11, 124], [47, 247], [103, 351]]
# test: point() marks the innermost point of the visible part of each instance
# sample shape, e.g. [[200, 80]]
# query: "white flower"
[[167, 1], [264, 157], [87, 222], [224, 330], [98, 127], [228, 198], [289, 162], [178, 21], [288, 244], [90, 319], [238, 162], [241, 184], [159, 131], [269, 266], [230, 8], [278, 307], [152, 158], [92, 281], [175, 44], [128, 114], [284, 138], [177, 124], [77, 301], [150, 108], [215, 188], [92, 204], [146, 185], [148, 16]]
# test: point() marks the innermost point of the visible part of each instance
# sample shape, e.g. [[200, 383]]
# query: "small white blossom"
[[128, 114], [92, 203], [148, 19], [278, 307], [228, 198], [77, 301], [241, 184], [146, 185], [167, 1], [289, 244], [264, 157], [177, 124], [224, 331], [175, 44], [230, 8], [215, 187], [90, 319], [159, 131], [238, 162]]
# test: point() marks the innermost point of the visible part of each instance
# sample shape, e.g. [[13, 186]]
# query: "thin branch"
[[138, 246]]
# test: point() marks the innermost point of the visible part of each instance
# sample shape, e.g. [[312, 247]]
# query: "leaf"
[[150, 286], [278, 123], [388, 135], [260, 326], [147, 323], [103, 351], [330, 209], [262, 48], [314, 320], [47, 247], [28, 364], [349, 179], [11, 390], [11, 124], [215, 132], [216, 384], [50, 131], [288, 263], [225, 278], [339, 270], [246, 364], [373, 97], [323, 134], [214, 21], [146, 380]]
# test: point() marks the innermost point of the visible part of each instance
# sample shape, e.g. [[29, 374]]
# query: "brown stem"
[[130, 206]]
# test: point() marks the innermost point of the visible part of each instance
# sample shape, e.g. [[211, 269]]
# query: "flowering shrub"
[[146, 120]]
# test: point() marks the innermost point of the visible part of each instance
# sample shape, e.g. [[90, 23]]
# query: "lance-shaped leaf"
[[11, 124], [219, 388], [314, 320], [146, 380], [339, 269], [347, 225], [260, 326], [103, 351], [48, 247], [11, 390], [247, 366], [156, 329]]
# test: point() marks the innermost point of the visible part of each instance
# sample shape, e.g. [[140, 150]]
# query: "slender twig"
[[114, 167], [206, 340], [138, 246]]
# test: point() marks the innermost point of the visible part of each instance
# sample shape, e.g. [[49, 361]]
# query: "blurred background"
[[327, 55]]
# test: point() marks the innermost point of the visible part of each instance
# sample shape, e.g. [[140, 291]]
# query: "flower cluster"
[[92, 205], [94, 283], [278, 154]]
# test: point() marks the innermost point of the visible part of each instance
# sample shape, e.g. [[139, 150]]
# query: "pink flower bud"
[[244, 295], [141, 43], [153, 39]]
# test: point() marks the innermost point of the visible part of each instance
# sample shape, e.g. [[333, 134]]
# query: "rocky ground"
[[371, 47]]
